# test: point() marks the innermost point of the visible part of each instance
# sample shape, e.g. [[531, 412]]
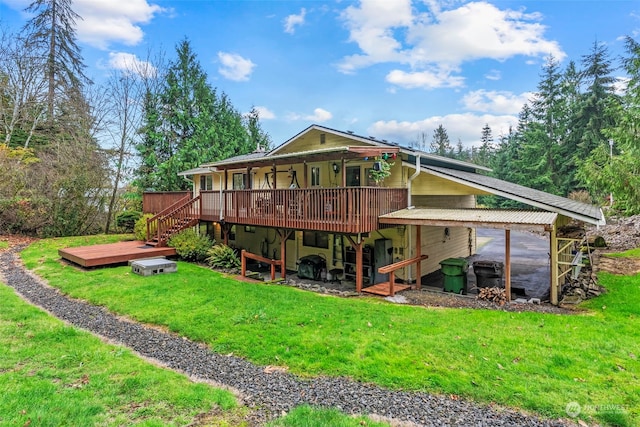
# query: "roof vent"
[[350, 131], [372, 137]]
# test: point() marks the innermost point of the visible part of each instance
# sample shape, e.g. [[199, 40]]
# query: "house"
[[314, 195]]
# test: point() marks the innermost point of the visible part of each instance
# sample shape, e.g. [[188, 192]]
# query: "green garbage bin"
[[455, 274]]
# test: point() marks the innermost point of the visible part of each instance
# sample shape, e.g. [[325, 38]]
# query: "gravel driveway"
[[269, 393]]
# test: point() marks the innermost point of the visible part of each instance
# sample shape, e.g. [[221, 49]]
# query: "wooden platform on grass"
[[383, 288], [113, 253]]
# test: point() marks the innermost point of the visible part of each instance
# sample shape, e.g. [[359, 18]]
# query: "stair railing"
[[175, 218]]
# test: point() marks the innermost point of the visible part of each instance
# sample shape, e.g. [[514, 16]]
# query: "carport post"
[[507, 259], [553, 239]]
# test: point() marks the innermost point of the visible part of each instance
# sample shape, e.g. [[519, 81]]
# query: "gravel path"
[[268, 394]]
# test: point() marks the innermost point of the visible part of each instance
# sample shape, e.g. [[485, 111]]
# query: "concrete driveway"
[[530, 266]]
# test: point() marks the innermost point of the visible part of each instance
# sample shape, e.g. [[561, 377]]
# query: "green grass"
[[4, 244], [538, 362], [631, 253], [307, 416], [54, 375]]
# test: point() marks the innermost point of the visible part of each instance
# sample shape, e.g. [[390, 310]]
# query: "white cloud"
[[372, 26], [265, 113], [106, 21], [493, 75], [292, 21], [499, 102], [129, 62], [440, 39], [319, 115], [424, 79], [464, 127], [235, 67]]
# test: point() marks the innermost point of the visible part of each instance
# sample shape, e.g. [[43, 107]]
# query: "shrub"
[[223, 256], [127, 220], [140, 229], [190, 245]]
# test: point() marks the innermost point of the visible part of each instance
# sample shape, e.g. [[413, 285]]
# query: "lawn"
[[538, 362], [54, 375]]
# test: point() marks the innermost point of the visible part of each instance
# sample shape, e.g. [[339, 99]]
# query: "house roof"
[[483, 218], [540, 199], [322, 154], [429, 158], [195, 171]]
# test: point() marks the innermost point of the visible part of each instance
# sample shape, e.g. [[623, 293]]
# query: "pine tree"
[[52, 30], [187, 123], [440, 143]]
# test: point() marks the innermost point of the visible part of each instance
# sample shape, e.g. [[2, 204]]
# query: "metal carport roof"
[[473, 218]]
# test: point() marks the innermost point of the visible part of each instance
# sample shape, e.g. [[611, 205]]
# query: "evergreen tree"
[[257, 136], [593, 115], [440, 143], [52, 30], [568, 130], [483, 154], [615, 169], [187, 124]]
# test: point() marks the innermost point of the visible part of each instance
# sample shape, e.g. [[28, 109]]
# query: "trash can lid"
[[489, 264], [458, 262]]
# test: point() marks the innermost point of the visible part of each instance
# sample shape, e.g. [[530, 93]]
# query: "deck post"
[[284, 235], [305, 173], [358, 247], [243, 263]]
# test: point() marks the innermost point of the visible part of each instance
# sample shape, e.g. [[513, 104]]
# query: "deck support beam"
[[284, 235]]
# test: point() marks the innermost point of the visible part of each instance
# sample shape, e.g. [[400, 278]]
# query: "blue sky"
[[393, 69]]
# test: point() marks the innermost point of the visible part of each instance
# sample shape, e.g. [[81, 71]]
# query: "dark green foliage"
[[615, 169], [188, 123], [140, 227], [565, 122], [223, 256], [440, 144], [191, 245], [127, 220]]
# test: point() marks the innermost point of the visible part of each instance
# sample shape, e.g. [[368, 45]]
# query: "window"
[[240, 181], [206, 182], [353, 176], [315, 239], [315, 176]]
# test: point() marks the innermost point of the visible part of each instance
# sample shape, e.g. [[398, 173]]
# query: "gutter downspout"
[[411, 178]]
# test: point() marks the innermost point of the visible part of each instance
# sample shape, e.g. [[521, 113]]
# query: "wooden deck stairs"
[[183, 214]]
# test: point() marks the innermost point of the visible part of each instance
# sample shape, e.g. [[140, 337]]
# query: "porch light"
[[336, 168]]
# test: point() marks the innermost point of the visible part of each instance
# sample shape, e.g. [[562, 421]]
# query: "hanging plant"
[[381, 170]]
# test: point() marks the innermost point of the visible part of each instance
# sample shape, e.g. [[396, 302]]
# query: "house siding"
[[426, 184]]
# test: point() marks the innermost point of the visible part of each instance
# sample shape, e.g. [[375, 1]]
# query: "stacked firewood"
[[495, 294]]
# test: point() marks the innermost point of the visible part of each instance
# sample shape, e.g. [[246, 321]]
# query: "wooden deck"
[[383, 288], [113, 253]]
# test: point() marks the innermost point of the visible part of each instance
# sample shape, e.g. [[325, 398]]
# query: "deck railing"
[[344, 210]]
